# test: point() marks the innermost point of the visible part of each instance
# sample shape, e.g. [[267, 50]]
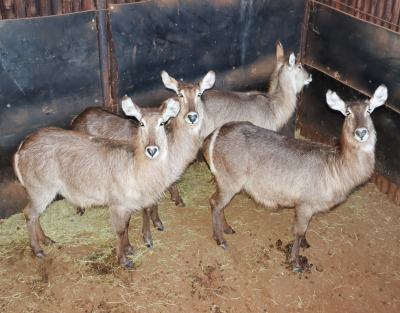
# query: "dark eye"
[[199, 94], [162, 123], [348, 112], [180, 95], [300, 66], [369, 111], [142, 124]]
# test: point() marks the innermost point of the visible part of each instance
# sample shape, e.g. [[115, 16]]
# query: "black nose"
[[361, 133], [151, 151], [192, 117]]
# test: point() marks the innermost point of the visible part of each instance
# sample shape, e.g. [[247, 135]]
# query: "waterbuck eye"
[[300, 66], [369, 111], [142, 124], [180, 95], [348, 113], [162, 123], [199, 94]]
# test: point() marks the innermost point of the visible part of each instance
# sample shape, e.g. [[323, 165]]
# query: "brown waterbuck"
[[126, 176], [183, 146], [269, 110], [279, 171]]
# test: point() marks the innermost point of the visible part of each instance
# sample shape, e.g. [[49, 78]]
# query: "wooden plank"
[[8, 9], [76, 6], [19, 8], [67, 6], [87, 5], [56, 7], [396, 14], [45, 7], [32, 8]]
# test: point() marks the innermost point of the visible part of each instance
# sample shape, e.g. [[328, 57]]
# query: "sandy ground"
[[354, 259]]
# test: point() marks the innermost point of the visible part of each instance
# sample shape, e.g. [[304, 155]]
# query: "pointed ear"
[[169, 81], [171, 109], [207, 82], [335, 103], [379, 98], [131, 109], [292, 61], [279, 50]]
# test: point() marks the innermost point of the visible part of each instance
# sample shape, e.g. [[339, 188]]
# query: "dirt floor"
[[353, 263]]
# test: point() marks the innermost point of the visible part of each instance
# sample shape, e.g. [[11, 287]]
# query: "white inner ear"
[[169, 81], [379, 98], [334, 102], [131, 109], [172, 109], [207, 82], [292, 61]]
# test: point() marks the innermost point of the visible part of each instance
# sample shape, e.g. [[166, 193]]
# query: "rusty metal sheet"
[[49, 73], [234, 38], [360, 54]]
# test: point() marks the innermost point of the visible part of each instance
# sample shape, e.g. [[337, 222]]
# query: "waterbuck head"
[[289, 71], [189, 96], [358, 123], [151, 133]]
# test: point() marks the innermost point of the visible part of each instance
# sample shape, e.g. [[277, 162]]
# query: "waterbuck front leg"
[[146, 233], [118, 218], [127, 246], [303, 217], [173, 189]]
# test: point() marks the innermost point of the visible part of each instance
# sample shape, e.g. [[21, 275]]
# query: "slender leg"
[[173, 189], [302, 219], [41, 236], [118, 221], [146, 233], [127, 246], [218, 201], [155, 218], [32, 218], [225, 226]]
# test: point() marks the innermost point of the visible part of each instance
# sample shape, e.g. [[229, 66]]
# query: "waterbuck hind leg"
[[41, 236], [118, 221], [225, 226], [218, 202], [303, 217], [32, 218], [304, 244], [173, 189], [127, 246], [146, 233]]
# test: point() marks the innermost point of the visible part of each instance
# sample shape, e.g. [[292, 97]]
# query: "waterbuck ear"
[[171, 109], [379, 98], [169, 81], [292, 61], [131, 109], [279, 50], [207, 82], [335, 103]]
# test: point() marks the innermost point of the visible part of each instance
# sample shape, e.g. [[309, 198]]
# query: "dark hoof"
[[225, 247], [149, 245], [40, 256], [128, 265], [306, 247], [132, 252], [52, 242], [298, 270], [81, 213], [161, 228], [181, 204], [232, 232]]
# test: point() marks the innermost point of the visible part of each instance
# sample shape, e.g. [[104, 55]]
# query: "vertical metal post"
[[103, 50]]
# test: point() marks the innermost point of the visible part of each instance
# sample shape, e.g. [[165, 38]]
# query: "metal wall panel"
[[234, 38], [49, 72]]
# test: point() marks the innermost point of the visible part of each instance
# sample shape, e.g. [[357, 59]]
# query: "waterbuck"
[[126, 176], [279, 171]]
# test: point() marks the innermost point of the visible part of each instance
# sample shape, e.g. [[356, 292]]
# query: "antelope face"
[[151, 134], [292, 68], [358, 121], [189, 97]]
